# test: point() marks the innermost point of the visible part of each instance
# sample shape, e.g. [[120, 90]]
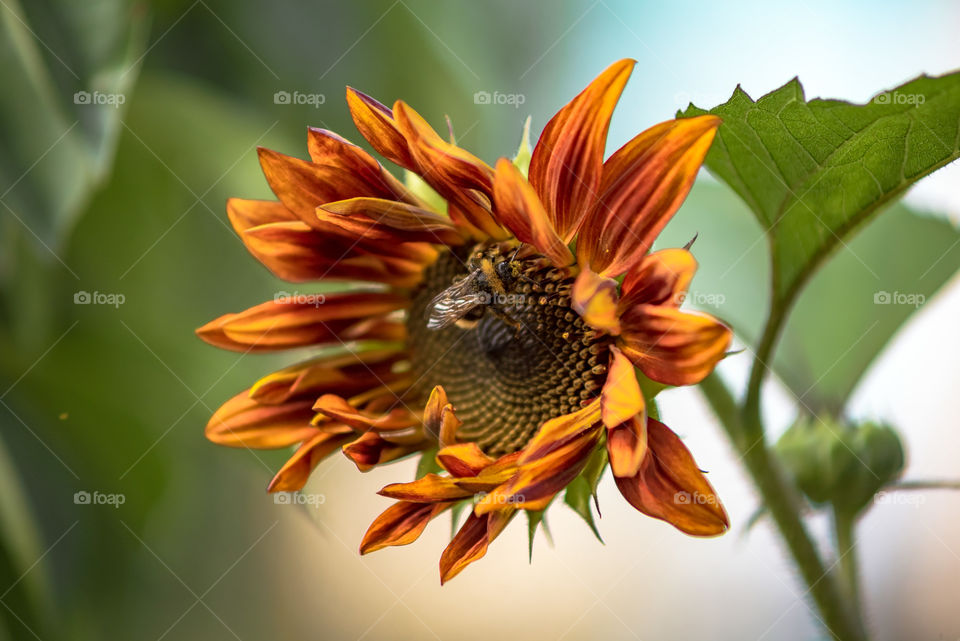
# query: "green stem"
[[781, 499], [843, 528]]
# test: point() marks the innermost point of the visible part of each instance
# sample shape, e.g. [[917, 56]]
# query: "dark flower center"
[[520, 359]]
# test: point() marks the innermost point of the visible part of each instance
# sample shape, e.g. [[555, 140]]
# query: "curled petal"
[[566, 165], [471, 541], [400, 524], [428, 489], [244, 422], [340, 410], [538, 480], [283, 324], [644, 182], [344, 374], [457, 175], [627, 445], [519, 208], [439, 418], [370, 450], [464, 459], [661, 278], [595, 298], [295, 472], [670, 346], [389, 221], [670, 486], [621, 398], [559, 431], [376, 123]]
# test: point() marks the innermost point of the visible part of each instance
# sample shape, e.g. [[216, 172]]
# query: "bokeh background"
[[128, 200]]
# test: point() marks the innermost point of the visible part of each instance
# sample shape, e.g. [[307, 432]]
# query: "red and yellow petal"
[[371, 449], [670, 346], [295, 472], [627, 445], [389, 221], [559, 431], [284, 324], [471, 541], [244, 422], [464, 459], [620, 398], [338, 409], [400, 524], [670, 486], [643, 185], [439, 419], [596, 299], [661, 278], [376, 123], [519, 208], [567, 162], [428, 489]]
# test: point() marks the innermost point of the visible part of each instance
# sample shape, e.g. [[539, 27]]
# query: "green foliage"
[[582, 491], [811, 172], [841, 464]]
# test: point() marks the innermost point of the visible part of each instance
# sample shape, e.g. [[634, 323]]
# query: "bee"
[[464, 302]]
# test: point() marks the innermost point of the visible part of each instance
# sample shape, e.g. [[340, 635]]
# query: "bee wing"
[[454, 303]]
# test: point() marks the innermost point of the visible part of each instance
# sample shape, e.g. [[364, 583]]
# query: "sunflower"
[[480, 338]]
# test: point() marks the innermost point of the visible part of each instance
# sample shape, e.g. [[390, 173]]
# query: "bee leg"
[[507, 319]]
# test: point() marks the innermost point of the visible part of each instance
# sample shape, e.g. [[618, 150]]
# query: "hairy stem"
[[780, 497]]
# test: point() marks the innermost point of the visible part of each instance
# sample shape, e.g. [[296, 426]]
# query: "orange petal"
[[340, 410], [439, 418], [376, 123], [457, 175], [644, 182], [627, 445], [661, 278], [471, 542], [595, 298], [566, 165], [343, 374], [400, 524], [389, 221], [303, 186], [670, 346], [671, 487], [283, 324], [538, 480], [428, 489], [464, 459], [621, 398], [295, 472], [519, 208], [561, 430], [370, 450], [243, 422]]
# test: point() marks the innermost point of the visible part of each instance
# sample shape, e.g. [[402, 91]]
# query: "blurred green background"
[[121, 193]]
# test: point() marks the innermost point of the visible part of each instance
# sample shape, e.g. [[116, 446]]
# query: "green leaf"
[[428, 464], [823, 352], [69, 70], [536, 518], [522, 159], [583, 488], [812, 172], [456, 512]]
